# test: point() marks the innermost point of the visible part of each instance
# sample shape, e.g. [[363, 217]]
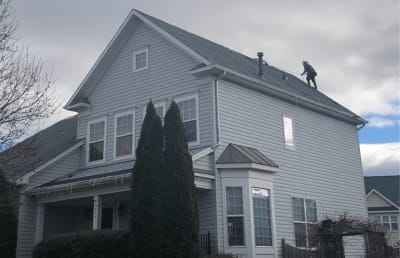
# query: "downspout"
[[216, 172], [219, 77]]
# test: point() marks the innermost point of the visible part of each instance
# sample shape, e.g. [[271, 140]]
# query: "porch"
[[103, 203]]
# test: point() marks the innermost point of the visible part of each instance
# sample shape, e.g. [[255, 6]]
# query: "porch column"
[[39, 223], [97, 210], [115, 223]]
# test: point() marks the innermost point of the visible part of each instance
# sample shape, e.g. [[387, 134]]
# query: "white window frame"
[[189, 97], [116, 116], [135, 53], [288, 145], [156, 105], [389, 220], [88, 142], [303, 222], [235, 215], [271, 215]]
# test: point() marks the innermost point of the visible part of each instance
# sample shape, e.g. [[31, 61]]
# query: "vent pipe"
[[260, 63]]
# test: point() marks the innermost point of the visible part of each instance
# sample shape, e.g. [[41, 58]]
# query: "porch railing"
[[205, 242]]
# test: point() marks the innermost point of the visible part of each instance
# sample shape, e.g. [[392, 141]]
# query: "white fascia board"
[[88, 75], [172, 39], [204, 152], [281, 92], [382, 196], [25, 178], [378, 212], [247, 166]]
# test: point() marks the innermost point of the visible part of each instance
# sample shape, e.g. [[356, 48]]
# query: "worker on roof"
[[311, 73]]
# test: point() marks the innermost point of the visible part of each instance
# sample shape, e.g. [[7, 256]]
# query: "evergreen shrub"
[[88, 244]]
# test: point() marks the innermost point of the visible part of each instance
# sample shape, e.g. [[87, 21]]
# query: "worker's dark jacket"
[[309, 70]]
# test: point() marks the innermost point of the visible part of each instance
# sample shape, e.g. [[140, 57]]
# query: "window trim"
[[94, 121], [235, 216], [271, 216], [303, 222], [288, 146], [189, 97], [116, 116], [137, 52]]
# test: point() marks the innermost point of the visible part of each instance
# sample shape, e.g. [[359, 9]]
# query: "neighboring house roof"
[[387, 186], [208, 53], [38, 149], [234, 153]]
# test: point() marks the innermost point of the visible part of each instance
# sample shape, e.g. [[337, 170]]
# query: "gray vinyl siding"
[[205, 163], [207, 215], [26, 226], [121, 89], [66, 165], [325, 165]]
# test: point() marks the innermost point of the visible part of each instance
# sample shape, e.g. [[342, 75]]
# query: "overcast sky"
[[353, 45]]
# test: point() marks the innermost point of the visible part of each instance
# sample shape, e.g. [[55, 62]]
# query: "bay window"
[[262, 216]]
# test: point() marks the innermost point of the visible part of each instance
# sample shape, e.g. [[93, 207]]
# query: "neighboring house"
[[383, 200], [271, 155]]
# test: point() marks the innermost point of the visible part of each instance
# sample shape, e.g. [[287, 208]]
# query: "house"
[[271, 155], [383, 200]]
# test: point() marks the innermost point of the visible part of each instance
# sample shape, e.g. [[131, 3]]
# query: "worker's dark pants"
[[312, 78]]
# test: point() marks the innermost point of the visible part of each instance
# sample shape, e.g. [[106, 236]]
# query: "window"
[[262, 216], [96, 136], [288, 132], [305, 219], [124, 138], [235, 216], [140, 60], [189, 115], [388, 222]]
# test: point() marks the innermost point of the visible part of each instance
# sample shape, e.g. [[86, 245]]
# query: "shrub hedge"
[[90, 244]]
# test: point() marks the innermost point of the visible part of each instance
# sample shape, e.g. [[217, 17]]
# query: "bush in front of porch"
[[90, 244]]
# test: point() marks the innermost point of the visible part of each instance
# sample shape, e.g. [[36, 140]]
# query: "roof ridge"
[[193, 34]]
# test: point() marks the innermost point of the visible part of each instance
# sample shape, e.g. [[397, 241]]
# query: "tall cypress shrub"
[[146, 226], [180, 203], [8, 222]]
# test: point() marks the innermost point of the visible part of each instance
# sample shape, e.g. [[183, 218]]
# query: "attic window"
[[288, 132], [140, 60]]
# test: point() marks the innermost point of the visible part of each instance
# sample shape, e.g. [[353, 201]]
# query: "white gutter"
[[116, 179], [25, 178]]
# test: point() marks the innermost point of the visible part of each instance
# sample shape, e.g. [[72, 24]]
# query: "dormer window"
[[140, 60], [96, 140]]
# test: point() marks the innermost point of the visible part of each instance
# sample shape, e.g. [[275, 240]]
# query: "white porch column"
[[39, 223], [97, 210], [115, 223]]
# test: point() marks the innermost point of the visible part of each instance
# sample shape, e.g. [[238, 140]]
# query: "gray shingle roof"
[[389, 186], [39, 148], [218, 54], [234, 153]]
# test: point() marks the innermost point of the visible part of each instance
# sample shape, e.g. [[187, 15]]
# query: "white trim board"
[[25, 178]]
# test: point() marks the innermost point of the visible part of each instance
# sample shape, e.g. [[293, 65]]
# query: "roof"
[[219, 55], [234, 153], [389, 186], [39, 148]]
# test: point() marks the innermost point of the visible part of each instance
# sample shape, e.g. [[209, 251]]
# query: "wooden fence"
[[289, 251]]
